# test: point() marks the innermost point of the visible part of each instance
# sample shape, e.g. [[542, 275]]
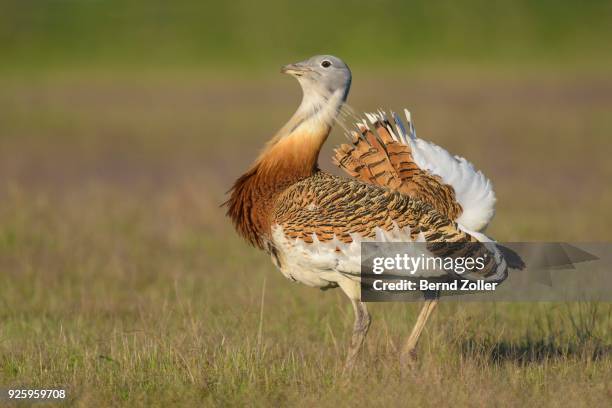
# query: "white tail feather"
[[473, 190]]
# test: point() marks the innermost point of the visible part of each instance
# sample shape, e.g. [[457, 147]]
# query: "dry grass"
[[122, 281]]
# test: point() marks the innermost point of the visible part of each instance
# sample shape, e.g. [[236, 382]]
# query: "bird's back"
[[320, 222], [327, 207]]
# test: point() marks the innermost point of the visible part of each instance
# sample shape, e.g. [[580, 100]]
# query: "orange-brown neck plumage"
[[284, 162], [290, 156]]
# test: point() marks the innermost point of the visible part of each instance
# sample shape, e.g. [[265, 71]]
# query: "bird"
[[400, 188]]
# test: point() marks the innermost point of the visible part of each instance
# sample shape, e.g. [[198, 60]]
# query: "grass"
[[123, 282]]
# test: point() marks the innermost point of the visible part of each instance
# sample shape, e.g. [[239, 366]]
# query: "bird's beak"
[[297, 69]]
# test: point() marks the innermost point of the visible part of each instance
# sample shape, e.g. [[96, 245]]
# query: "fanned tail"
[[385, 158]]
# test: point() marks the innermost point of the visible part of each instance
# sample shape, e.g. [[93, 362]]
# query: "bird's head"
[[324, 75]]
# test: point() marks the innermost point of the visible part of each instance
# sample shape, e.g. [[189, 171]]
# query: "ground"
[[122, 281]]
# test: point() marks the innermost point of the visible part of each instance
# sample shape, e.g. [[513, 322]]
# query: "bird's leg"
[[408, 353], [360, 329]]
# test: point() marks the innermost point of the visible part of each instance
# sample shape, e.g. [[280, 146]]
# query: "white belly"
[[324, 264]]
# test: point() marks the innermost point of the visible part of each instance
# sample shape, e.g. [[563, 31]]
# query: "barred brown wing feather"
[[343, 208], [382, 160]]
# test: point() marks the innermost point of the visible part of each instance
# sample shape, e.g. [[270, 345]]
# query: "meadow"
[[123, 124], [122, 281]]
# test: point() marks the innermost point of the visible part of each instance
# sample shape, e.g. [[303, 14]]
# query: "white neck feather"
[[316, 113]]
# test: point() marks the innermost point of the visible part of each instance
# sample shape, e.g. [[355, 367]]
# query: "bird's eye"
[[325, 64]]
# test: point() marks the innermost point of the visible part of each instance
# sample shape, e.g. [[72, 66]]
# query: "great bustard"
[[403, 189]]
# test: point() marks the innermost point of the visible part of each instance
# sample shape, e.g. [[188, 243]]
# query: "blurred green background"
[[123, 124], [245, 34]]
